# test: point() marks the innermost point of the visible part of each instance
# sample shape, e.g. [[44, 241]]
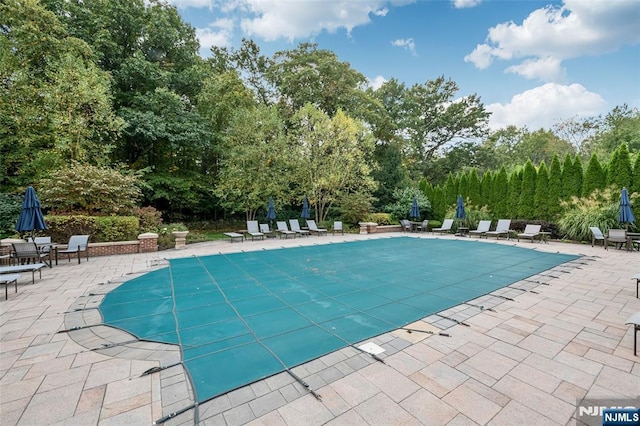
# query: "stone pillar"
[[181, 239], [148, 242], [363, 228]]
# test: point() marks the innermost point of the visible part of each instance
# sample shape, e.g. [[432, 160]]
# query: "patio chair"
[[483, 228], [406, 225], [446, 227], [531, 232], [77, 244], [337, 227], [424, 227], [314, 228], [29, 253], [295, 227], [264, 228], [502, 228], [283, 230], [596, 235], [253, 231], [616, 236]]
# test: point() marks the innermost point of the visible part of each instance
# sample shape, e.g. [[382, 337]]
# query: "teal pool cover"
[[242, 317]]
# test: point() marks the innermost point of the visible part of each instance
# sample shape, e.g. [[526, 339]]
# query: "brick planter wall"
[[146, 243]]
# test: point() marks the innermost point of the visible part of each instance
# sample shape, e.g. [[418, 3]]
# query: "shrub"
[[101, 228], [379, 218], [404, 198], [166, 240], [10, 207], [149, 217]]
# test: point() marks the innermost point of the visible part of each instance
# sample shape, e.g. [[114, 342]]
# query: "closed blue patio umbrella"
[[460, 213], [31, 218], [271, 210], [415, 209], [626, 214], [305, 209]]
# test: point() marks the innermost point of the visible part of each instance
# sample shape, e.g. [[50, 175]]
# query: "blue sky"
[[532, 62]]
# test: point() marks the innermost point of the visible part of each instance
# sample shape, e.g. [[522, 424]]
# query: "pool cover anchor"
[[411, 330], [454, 320], [482, 308]]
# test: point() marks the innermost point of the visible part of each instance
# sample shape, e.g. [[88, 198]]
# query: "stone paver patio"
[[525, 355]]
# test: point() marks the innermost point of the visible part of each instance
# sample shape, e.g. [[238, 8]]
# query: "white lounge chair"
[[337, 227], [264, 228], [284, 230], [483, 228], [234, 236], [596, 235], [295, 226], [314, 228], [502, 228], [446, 227], [253, 231], [635, 321], [531, 232], [31, 267]]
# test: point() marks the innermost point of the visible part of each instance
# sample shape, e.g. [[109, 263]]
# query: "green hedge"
[[101, 228]]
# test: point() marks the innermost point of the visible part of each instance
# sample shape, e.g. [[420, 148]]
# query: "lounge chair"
[[8, 279], [283, 230], [264, 228], [446, 227], [314, 228], [29, 253], [337, 227], [234, 236], [424, 226], [406, 225], [596, 235], [483, 228], [76, 244], [295, 227], [531, 232], [253, 231], [502, 228], [31, 267], [635, 321], [616, 236]]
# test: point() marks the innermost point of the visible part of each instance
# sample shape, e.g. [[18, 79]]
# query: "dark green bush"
[[10, 207]]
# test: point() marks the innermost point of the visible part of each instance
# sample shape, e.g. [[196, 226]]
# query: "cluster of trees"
[[536, 192], [118, 85]]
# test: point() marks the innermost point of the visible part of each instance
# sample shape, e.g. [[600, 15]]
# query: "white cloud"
[[552, 34], [275, 19], [543, 106], [218, 33], [376, 82], [406, 43], [462, 4]]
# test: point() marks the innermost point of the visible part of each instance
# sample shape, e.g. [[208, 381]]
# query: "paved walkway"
[[527, 360]]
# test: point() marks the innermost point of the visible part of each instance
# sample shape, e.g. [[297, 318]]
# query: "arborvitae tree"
[[578, 173], [619, 170], [542, 192], [500, 194], [635, 185], [473, 190], [594, 177], [515, 187], [463, 185], [438, 206], [526, 206], [571, 184], [450, 192], [486, 190], [555, 189]]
